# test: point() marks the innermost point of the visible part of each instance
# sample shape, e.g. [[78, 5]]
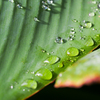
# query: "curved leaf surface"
[[33, 39]]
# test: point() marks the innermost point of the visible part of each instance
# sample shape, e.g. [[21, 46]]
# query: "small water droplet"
[[48, 53], [74, 20], [98, 5], [52, 60], [93, 2], [45, 7], [59, 40], [23, 89], [91, 14], [50, 2], [44, 74], [32, 72], [30, 84], [82, 38], [71, 37], [89, 42], [82, 50], [44, 51], [60, 65], [80, 26], [72, 51], [11, 1], [71, 60], [36, 19], [11, 86], [19, 6], [88, 25]]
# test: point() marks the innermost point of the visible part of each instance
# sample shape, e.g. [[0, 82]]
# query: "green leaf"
[[84, 71], [31, 35]]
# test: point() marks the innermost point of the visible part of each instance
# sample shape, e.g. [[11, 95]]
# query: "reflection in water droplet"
[[59, 40], [36, 19], [91, 14], [72, 51], [44, 74], [52, 60], [30, 84], [19, 6], [89, 42], [60, 65], [11, 87], [88, 25], [45, 7]]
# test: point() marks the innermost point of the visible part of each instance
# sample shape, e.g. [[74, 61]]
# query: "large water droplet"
[[30, 84], [88, 25], [72, 51], [60, 65], [44, 74], [52, 60], [89, 42]]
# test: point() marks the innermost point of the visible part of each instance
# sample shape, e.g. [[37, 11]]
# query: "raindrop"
[[11, 86], [93, 2], [44, 74], [72, 51], [89, 42], [59, 40], [19, 6], [82, 50], [52, 60], [98, 5], [88, 25], [60, 65], [11, 1], [50, 2], [45, 7], [91, 14], [74, 20], [36, 19], [30, 84]]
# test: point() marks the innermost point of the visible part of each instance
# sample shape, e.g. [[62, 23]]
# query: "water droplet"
[[72, 51], [71, 37], [88, 25], [93, 2], [98, 5], [89, 42], [80, 26], [44, 74], [36, 19], [44, 51], [30, 84], [91, 14], [45, 7], [60, 65], [74, 20], [19, 6], [52, 60], [72, 29], [11, 1], [48, 53], [11, 86], [71, 60], [82, 50], [23, 89], [82, 38], [50, 2], [32, 72], [59, 40]]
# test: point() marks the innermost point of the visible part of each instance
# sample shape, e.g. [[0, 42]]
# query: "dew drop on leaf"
[[30, 84], [93, 2], [60, 65], [50, 2], [52, 60], [88, 25], [82, 50], [19, 6], [89, 42], [44, 74], [45, 7], [72, 51], [36, 19], [11, 1], [59, 40], [91, 14]]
